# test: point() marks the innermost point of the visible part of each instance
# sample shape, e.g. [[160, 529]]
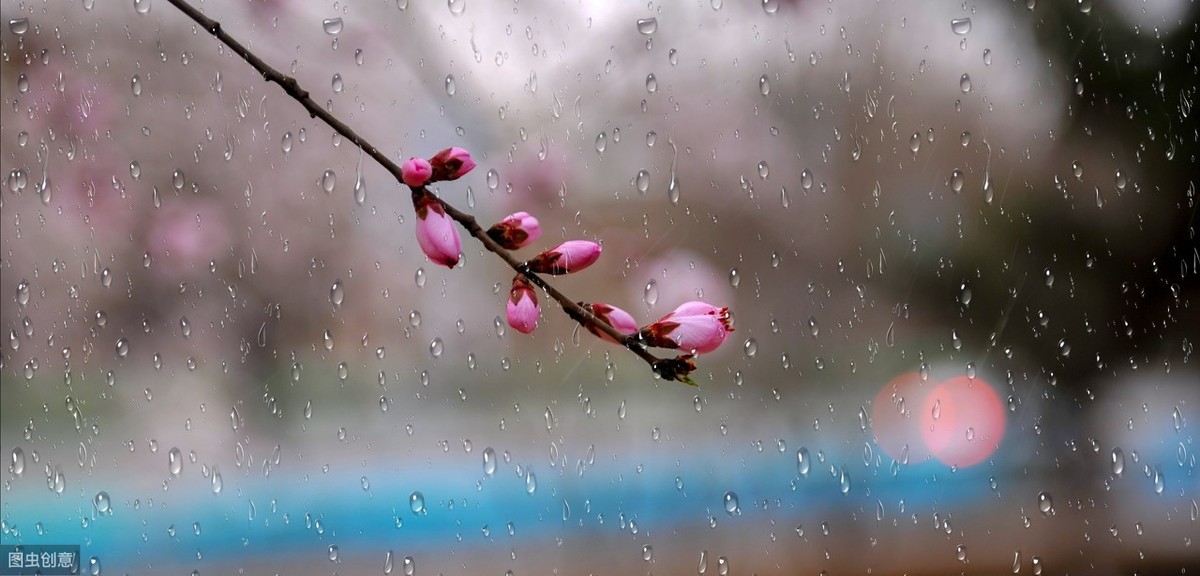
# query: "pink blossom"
[[522, 307], [416, 172], [620, 320], [694, 325], [436, 231], [570, 256], [451, 164], [515, 231]]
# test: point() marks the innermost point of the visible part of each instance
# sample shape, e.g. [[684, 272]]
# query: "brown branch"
[[668, 368]]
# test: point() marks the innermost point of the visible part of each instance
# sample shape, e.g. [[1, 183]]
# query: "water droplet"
[[17, 467], [956, 180], [332, 26], [451, 86], [647, 553], [672, 182], [337, 294], [141, 6], [651, 83], [764, 85], [530, 481], [960, 26], [337, 83], [18, 26], [489, 462], [601, 143], [770, 6], [650, 293], [763, 169], [457, 7], [122, 347], [750, 347], [647, 25], [1077, 169], [328, 181], [964, 83], [806, 179], [1120, 179], [1045, 503], [435, 347], [803, 462], [416, 503], [1118, 461], [493, 179], [174, 461], [730, 501], [642, 181], [102, 503]]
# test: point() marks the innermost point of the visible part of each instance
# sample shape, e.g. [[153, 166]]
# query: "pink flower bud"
[[416, 172], [695, 326], [570, 256], [436, 231], [515, 231], [451, 164], [522, 307], [619, 319]]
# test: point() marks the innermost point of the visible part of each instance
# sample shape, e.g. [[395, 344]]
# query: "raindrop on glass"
[[337, 294], [750, 347], [1045, 503], [416, 503], [642, 181], [489, 462], [18, 26], [332, 26], [730, 501]]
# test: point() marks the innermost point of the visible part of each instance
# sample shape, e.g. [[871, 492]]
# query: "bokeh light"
[[962, 421]]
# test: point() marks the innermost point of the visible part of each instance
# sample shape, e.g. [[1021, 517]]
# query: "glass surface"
[[959, 243]]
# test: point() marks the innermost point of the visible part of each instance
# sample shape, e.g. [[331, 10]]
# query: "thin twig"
[[667, 368]]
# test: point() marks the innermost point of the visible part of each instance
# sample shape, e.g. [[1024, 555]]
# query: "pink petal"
[[522, 307], [438, 236], [416, 172], [703, 333]]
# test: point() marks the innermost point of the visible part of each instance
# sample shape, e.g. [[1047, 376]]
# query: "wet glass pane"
[[957, 244]]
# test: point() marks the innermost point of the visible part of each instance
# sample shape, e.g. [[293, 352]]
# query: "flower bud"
[[522, 307], [515, 231], [416, 172], [694, 325], [619, 319], [436, 231], [570, 256], [451, 164]]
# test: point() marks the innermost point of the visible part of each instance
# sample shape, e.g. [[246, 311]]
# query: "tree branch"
[[667, 368]]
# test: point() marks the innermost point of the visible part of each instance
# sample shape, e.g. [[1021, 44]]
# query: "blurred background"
[[959, 242]]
